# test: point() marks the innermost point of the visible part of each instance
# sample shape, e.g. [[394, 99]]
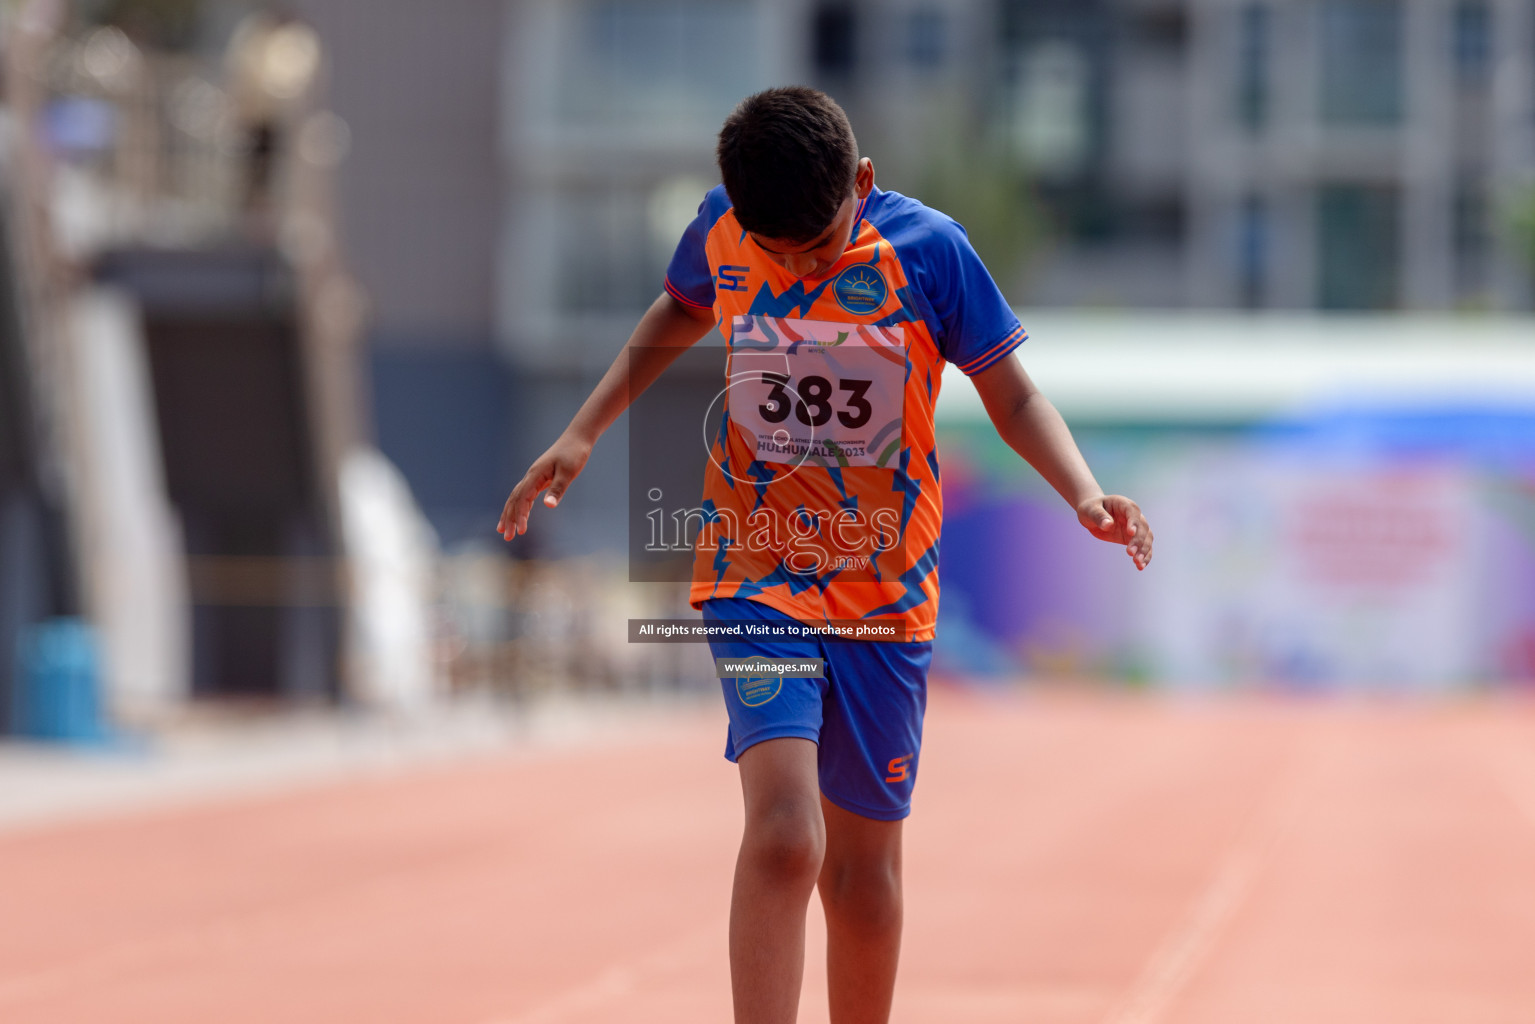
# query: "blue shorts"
[[865, 714]]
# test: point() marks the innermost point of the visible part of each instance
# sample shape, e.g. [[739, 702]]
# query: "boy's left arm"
[[1033, 428]]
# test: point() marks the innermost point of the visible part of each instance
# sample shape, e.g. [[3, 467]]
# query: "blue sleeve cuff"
[[996, 353], [683, 297]]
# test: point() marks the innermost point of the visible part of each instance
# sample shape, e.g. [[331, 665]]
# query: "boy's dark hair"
[[788, 159]]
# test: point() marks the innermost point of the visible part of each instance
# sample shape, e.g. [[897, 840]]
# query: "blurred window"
[[607, 260], [925, 42], [1051, 129], [1253, 250], [1159, 220], [1059, 60], [1163, 29], [1472, 222], [1361, 47], [663, 62], [1473, 42], [1359, 247], [834, 38], [1254, 27]]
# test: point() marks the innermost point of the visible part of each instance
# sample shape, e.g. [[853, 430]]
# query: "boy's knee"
[[863, 896], [786, 844]]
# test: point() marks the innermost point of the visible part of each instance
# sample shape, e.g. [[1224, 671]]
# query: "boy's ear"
[[863, 181]]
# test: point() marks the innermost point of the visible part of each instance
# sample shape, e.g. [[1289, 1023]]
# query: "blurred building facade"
[[1358, 154], [1329, 154], [522, 169]]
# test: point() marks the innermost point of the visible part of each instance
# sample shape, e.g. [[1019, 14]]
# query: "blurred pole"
[[331, 312], [37, 279]]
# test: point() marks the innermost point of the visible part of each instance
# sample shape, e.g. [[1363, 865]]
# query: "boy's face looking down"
[[815, 257]]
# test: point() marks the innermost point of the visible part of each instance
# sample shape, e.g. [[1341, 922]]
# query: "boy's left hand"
[[1118, 520]]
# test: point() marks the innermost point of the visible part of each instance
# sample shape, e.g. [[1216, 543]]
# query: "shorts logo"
[[756, 691], [899, 768], [860, 289]]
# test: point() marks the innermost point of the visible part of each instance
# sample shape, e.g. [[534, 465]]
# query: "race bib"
[[814, 391]]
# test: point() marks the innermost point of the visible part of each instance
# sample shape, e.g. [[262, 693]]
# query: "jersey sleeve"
[[979, 328], [689, 279]]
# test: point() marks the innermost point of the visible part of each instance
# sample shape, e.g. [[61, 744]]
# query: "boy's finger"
[[521, 502], [1097, 515], [562, 478], [1130, 514], [1140, 546], [507, 527], [525, 508]]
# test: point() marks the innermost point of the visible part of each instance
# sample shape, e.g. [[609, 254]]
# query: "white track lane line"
[[1184, 949], [620, 980]]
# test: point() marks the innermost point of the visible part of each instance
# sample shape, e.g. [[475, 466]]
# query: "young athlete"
[[841, 304]]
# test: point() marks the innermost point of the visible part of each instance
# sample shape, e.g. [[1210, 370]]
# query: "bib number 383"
[[814, 407], [824, 392]]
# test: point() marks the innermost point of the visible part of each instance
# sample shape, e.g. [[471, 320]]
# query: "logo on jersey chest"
[[860, 289], [731, 278]]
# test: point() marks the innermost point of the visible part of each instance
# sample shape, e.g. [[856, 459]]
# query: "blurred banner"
[[1336, 504]]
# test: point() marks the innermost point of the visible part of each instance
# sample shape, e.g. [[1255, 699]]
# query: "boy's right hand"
[[554, 469]]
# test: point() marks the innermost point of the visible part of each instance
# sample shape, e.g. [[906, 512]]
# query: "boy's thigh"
[[765, 707], [871, 733]]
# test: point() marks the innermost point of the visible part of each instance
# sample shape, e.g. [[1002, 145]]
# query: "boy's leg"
[[781, 853], [860, 887], [871, 740]]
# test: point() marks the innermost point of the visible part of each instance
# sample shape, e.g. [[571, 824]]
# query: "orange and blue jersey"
[[821, 499]]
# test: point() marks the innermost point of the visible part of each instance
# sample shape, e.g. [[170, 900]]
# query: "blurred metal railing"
[[529, 627], [515, 628]]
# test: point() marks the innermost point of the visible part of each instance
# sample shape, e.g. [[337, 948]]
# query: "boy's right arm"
[[664, 332]]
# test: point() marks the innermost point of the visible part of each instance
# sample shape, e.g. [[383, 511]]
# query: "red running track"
[[1103, 860]]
